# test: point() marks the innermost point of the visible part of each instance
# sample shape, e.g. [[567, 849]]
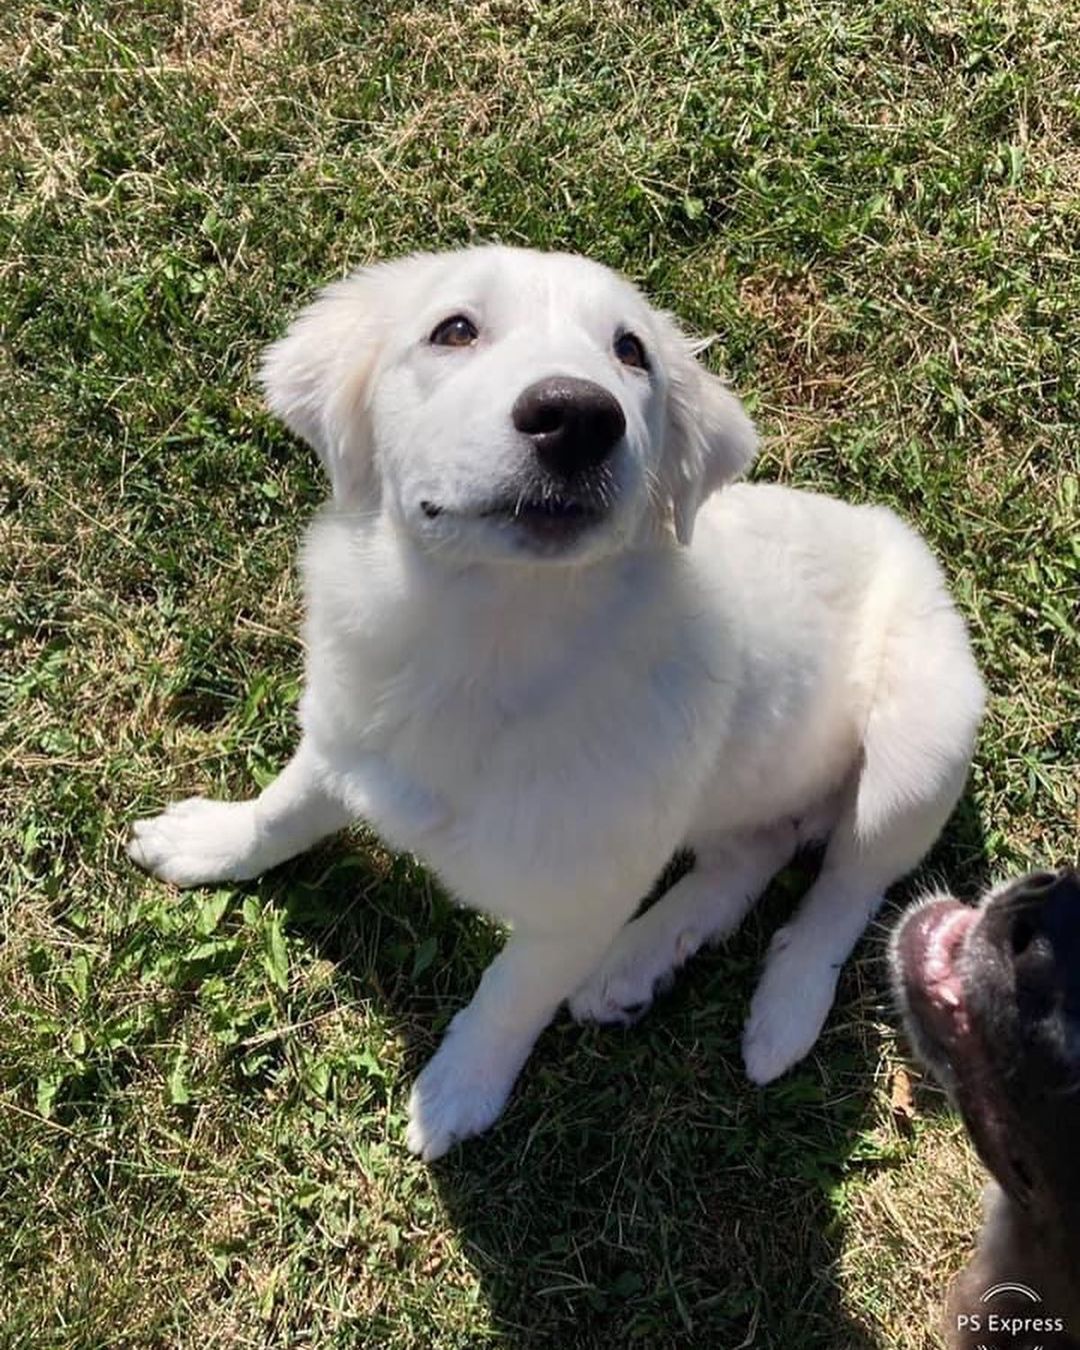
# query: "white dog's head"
[[500, 402]]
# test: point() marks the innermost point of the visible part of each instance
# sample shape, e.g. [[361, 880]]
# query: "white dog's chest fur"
[[519, 748]]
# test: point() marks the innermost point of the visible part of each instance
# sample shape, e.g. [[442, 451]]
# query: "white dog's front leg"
[[401, 809], [463, 1089], [198, 840]]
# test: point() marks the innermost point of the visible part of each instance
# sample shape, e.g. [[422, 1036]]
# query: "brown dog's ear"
[[709, 439], [316, 379]]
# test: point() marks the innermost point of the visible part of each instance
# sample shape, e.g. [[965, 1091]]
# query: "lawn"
[[875, 209]]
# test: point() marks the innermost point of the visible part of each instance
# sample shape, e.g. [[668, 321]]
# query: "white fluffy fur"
[[727, 671]]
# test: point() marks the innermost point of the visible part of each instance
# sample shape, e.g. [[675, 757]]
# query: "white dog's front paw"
[[461, 1091], [640, 963], [197, 840], [789, 1008]]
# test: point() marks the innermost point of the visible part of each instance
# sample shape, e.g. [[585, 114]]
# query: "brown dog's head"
[[991, 998]]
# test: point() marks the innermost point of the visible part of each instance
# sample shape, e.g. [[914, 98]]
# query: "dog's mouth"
[[548, 521], [928, 950]]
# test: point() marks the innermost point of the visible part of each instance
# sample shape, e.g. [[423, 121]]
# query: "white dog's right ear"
[[317, 379]]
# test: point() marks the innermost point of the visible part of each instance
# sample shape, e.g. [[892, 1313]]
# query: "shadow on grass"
[[639, 1191]]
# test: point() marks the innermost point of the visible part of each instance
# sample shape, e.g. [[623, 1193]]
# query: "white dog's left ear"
[[709, 438]]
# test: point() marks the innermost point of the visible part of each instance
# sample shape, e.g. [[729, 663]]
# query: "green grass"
[[202, 1096]]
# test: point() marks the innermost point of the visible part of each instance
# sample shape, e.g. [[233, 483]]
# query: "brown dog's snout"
[[573, 424]]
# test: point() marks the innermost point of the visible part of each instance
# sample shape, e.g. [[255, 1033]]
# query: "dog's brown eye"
[[457, 331], [630, 351]]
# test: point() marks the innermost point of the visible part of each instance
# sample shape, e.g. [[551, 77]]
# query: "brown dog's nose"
[[573, 424], [1044, 909]]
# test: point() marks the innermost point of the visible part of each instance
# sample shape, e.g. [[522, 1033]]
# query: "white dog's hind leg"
[[805, 957], [463, 1088], [199, 840], [704, 906], [916, 749], [916, 753]]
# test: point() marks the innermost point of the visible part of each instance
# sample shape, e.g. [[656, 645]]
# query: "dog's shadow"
[[638, 1190]]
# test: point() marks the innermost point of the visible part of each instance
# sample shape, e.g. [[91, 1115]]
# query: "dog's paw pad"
[[616, 998], [591, 1003], [197, 841], [788, 1011], [632, 975], [452, 1100], [770, 1049]]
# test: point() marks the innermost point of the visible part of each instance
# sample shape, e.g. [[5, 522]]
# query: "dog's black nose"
[[1051, 898], [1045, 932], [573, 424], [1059, 917]]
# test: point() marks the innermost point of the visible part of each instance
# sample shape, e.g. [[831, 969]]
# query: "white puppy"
[[521, 668]]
